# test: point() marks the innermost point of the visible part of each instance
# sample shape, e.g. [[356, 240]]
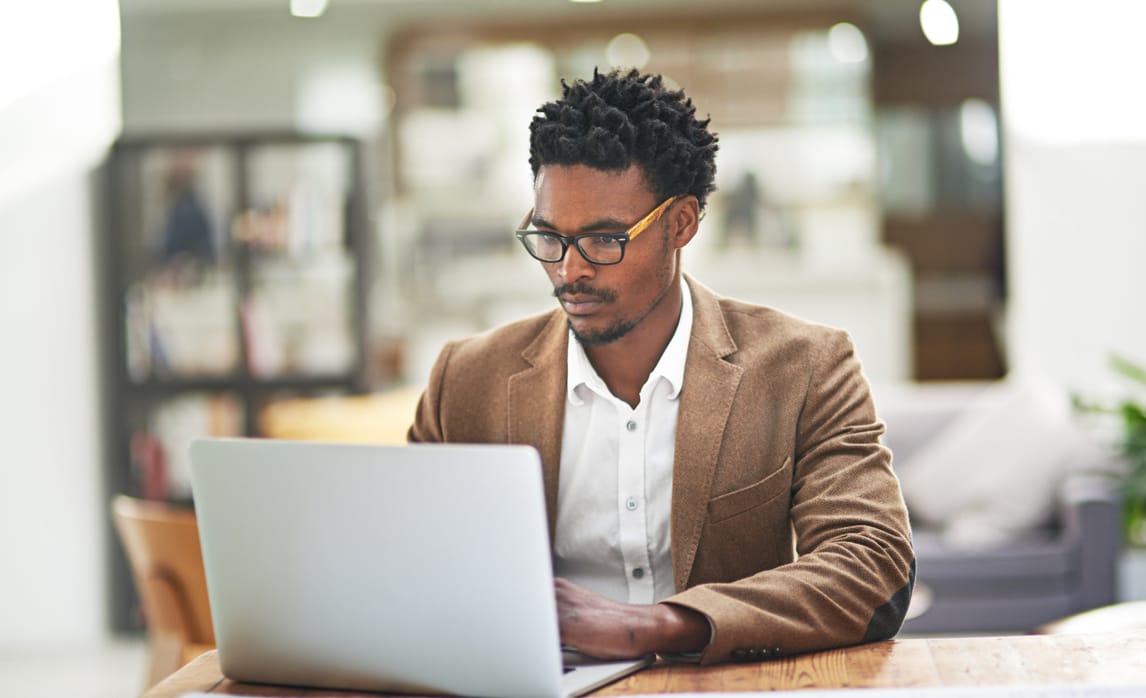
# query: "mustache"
[[582, 289]]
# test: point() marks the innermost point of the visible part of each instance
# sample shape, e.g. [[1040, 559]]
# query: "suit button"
[[775, 651], [763, 652], [739, 653]]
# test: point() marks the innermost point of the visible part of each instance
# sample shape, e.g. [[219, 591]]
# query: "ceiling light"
[[939, 22], [979, 131], [847, 43], [308, 8], [628, 51]]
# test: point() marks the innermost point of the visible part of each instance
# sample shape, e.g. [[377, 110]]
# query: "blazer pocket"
[[739, 501]]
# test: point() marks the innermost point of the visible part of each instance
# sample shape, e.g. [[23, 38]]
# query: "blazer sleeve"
[[427, 426], [854, 570]]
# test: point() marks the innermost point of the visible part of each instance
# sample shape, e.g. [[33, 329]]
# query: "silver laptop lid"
[[420, 568]]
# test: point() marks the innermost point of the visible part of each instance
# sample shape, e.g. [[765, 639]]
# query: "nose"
[[575, 266]]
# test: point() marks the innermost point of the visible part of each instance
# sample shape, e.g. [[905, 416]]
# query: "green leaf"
[[1128, 368], [1081, 405], [1133, 413]]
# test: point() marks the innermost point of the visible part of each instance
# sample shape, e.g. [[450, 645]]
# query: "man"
[[714, 478]]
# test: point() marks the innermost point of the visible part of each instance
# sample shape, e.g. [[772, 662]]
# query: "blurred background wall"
[[959, 223], [1075, 160], [59, 114]]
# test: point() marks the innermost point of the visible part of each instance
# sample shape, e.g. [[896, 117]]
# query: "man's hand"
[[603, 628]]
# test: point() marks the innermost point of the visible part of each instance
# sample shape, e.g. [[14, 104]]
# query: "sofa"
[[1012, 522]]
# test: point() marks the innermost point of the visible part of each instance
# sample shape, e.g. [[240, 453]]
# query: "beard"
[[606, 336], [596, 337], [613, 332]]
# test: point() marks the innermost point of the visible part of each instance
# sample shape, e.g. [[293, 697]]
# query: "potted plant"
[[1131, 446]]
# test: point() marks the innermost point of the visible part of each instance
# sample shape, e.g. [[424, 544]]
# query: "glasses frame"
[[624, 238]]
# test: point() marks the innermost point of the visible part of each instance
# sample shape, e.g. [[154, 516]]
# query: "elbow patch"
[[888, 618]]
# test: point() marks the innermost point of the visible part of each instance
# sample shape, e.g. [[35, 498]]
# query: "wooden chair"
[[378, 418], [162, 544]]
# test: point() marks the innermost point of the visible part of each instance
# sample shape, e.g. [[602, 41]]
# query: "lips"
[[581, 304]]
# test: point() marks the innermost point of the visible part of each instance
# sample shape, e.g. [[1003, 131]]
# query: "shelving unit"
[[235, 274]]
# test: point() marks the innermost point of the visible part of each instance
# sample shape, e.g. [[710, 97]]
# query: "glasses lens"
[[547, 248], [601, 249]]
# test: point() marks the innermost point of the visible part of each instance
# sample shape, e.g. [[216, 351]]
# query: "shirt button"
[[631, 503], [631, 425], [638, 573]]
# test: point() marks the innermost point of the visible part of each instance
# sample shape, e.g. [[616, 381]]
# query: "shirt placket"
[[631, 504]]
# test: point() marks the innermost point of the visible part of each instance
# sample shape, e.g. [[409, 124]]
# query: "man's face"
[[603, 303]]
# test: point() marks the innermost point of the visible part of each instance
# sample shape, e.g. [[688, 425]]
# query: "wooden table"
[[1109, 658]]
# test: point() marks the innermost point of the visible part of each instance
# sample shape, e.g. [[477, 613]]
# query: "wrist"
[[678, 629]]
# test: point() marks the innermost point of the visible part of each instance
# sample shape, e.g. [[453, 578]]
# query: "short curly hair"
[[623, 118]]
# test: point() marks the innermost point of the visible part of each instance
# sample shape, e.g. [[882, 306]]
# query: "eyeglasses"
[[598, 248]]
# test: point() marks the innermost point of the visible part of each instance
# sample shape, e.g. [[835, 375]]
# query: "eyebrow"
[[597, 226]]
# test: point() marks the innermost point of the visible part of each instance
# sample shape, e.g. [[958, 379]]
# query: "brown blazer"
[[788, 527]]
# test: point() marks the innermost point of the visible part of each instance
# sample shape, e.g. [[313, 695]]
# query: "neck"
[[625, 365]]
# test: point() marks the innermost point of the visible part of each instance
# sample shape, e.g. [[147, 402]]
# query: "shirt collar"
[[582, 376]]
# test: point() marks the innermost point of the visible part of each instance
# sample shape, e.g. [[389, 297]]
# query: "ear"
[[684, 220]]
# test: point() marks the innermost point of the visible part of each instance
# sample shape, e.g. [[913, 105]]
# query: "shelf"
[[243, 383], [235, 276]]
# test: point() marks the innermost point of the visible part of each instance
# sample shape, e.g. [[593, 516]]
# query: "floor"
[[109, 670]]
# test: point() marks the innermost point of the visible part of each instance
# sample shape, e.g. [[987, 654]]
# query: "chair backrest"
[[379, 418], [162, 544]]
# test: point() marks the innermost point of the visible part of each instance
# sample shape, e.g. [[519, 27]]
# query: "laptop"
[[415, 569]]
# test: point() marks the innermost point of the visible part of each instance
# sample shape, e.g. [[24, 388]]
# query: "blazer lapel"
[[536, 400], [710, 383]]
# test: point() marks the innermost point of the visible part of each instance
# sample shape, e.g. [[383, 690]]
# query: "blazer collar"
[[710, 383], [537, 403], [708, 326]]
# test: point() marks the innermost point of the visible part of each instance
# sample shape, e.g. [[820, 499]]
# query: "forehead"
[[573, 193]]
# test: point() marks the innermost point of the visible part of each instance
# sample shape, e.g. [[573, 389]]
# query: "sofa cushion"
[[1037, 557], [992, 473]]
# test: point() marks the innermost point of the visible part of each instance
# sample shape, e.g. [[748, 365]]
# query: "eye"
[[547, 241], [603, 243]]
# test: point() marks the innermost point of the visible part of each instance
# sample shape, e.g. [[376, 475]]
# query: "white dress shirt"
[[614, 496]]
